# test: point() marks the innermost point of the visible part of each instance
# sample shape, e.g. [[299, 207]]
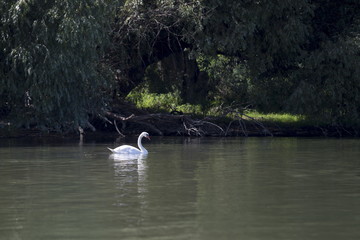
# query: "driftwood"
[[240, 124], [184, 125], [166, 124], [244, 121]]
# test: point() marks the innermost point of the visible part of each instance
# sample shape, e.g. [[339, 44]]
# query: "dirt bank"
[[162, 124]]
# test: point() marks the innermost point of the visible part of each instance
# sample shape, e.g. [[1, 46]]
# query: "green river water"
[[186, 188]]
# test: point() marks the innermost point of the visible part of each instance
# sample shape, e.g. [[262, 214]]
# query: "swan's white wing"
[[126, 149]]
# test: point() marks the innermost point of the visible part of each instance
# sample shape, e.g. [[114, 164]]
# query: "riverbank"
[[161, 124]]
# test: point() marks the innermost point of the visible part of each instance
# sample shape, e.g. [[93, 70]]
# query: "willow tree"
[[155, 32], [49, 60], [328, 79], [247, 32], [302, 56]]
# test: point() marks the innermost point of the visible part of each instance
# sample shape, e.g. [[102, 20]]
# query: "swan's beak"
[[148, 137]]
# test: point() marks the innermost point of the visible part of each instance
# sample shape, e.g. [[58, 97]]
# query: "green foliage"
[[302, 56], [279, 56], [161, 102], [268, 35], [49, 60], [297, 56], [270, 94], [228, 80], [168, 102], [146, 32], [329, 84], [326, 84]]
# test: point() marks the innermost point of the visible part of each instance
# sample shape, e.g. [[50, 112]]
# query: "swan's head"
[[145, 134]]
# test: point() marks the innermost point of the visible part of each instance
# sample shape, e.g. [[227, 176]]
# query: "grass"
[[165, 102], [278, 117], [168, 102]]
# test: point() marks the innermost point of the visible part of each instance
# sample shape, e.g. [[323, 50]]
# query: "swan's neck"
[[142, 149]]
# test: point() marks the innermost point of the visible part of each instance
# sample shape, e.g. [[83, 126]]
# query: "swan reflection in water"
[[129, 161], [129, 175]]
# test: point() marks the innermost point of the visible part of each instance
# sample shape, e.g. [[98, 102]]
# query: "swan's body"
[[127, 158], [127, 149]]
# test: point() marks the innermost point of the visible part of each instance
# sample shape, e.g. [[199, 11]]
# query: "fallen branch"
[[117, 129], [161, 123], [118, 117], [169, 124]]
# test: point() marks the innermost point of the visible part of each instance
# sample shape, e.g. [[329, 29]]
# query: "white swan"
[[126, 149]]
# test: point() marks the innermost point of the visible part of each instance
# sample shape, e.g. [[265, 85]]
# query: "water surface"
[[186, 188]]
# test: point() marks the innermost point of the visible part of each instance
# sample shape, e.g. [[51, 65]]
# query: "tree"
[[299, 56], [302, 56], [50, 73], [247, 31], [147, 32], [327, 83]]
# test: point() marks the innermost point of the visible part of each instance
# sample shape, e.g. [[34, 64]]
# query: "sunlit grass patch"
[[168, 102], [164, 102], [284, 119], [276, 117]]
